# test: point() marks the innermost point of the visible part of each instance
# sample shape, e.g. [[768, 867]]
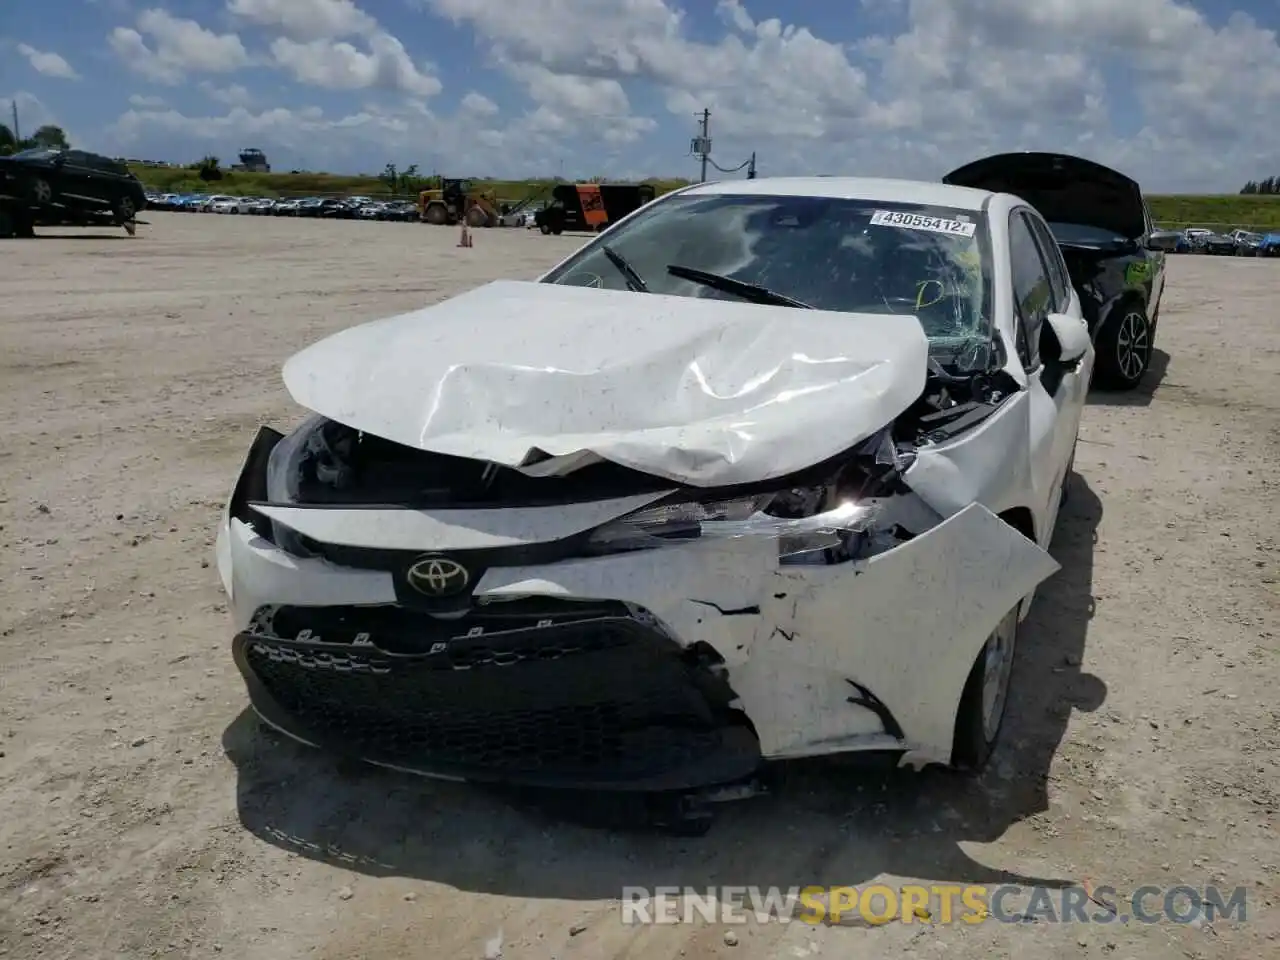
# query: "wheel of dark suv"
[[38, 190], [545, 228], [985, 699], [125, 210], [1124, 348], [8, 225]]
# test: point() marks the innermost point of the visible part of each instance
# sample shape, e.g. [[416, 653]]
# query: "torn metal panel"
[[950, 476], [451, 529], [906, 624], [699, 391]]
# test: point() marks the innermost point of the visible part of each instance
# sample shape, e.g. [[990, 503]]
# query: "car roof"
[[923, 192]]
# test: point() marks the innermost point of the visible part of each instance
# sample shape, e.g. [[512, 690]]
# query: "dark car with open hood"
[[75, 183], [1115, 256]]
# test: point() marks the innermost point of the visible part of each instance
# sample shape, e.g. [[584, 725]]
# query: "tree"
[[1249, 188], [209, 169], [390, 175], [8, 143], [50, 136], [408, 179]]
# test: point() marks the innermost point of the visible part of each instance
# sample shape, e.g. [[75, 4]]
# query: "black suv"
[[1115, 256], [83, 184]]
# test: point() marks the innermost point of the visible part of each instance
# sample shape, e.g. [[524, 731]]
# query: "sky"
[[1183, 95]]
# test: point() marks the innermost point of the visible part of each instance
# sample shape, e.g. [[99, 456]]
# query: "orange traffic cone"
[[465, 239]]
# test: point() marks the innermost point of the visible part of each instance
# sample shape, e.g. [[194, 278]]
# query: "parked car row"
[[349, 208], [1237, 243]]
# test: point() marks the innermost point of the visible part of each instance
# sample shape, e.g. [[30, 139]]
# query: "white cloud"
[[47, 63], [478, 105], [963, 76], [180, 47], [306, 20], [338, 65], [1148, 85], [312, 47], [234, 95], [146, 102]]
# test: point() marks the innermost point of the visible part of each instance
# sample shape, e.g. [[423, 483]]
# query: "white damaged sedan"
[[766, 470]]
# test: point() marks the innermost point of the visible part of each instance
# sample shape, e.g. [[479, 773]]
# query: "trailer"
[[591, 207], [20, 217]]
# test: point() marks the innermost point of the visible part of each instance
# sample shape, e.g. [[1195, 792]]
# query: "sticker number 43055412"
[[916, 221]]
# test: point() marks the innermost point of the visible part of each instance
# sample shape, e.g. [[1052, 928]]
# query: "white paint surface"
[[704, 392]]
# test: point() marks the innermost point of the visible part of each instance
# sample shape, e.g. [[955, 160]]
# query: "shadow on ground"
[[1144, 393], [825, 824], [46, 235]]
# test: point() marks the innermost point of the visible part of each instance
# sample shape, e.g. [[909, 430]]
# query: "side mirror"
[[1162, 240], [1070, 338]]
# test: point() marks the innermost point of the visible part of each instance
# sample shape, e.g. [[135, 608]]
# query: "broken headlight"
[[317, 451], [811, 538], [668, 524]]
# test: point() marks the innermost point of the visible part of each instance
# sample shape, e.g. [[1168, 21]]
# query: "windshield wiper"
[[635, 282], [748, 291]]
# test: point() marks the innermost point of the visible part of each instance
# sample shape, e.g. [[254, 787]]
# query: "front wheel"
[[125, 210], [1124, 348], [985, 699], [546, 230]]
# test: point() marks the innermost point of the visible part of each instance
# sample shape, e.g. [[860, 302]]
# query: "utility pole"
[[701, 146], [17, 134], [751, 167]]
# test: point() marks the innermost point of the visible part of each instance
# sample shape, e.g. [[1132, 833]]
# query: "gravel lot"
[[143, 814]]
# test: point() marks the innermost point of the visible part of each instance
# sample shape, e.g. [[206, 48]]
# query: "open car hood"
[[544, 378], [1062, 188]]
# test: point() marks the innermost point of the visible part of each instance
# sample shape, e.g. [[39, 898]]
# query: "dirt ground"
[[142, 813]]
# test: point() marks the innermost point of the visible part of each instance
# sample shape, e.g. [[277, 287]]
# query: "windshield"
[[855, 256], [1070, 233]]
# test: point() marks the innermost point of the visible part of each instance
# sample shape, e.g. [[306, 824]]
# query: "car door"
[[82, 184], [1041, 286]]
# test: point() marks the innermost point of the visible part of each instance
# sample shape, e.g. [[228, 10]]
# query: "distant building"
[[252, 160]]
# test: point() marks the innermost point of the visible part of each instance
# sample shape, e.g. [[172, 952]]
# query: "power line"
[[700, 147]]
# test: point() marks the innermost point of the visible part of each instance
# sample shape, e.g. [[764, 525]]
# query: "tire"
[[985, 699], [546, 229], [38, 190], [476, 217], [557, 230], [1124, 347], [436, 215], [8, 225], [125, 210]]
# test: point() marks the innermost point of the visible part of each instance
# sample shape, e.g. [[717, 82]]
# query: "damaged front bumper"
[[654, 670]]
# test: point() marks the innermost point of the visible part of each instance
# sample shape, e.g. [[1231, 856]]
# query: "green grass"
[[1172, 211], [1232, 210]]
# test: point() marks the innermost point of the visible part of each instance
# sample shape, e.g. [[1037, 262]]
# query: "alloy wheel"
[[1133, 342], [41, 191], [997, 670]]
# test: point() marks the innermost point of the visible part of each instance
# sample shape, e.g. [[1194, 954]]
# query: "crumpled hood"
[[699, 391]]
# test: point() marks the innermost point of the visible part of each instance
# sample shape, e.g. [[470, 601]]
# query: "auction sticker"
[[916, 221]]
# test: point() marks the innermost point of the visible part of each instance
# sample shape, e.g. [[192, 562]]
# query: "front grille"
[[561, 695]]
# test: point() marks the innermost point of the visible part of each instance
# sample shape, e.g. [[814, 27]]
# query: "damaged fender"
[[906, 625]]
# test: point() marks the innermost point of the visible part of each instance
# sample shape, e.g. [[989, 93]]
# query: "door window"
[[1051, 253], [1032, 291]]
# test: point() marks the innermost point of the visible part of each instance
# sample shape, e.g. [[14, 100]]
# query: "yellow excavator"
[[458, 200]]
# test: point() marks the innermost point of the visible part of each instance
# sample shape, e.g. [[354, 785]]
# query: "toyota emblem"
[[438, 577]]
